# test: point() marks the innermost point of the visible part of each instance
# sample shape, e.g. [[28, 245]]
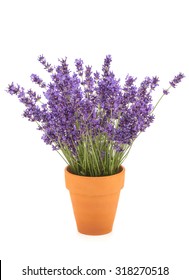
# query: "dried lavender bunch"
[[88, 118]]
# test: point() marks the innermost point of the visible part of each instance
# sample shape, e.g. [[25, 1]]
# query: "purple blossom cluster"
[[83, 102], [177, 79]]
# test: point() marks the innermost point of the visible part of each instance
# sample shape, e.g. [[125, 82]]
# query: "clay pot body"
[[94, 200]]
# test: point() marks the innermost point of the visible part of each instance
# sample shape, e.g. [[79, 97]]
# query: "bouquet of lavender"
[[89, 118]]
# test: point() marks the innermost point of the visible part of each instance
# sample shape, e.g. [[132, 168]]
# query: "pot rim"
[[122, 170], [94, 186]]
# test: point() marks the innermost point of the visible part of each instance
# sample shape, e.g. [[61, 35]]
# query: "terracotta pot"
[[94, 200]]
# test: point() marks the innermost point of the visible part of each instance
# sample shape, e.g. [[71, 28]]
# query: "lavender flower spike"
[[79, 66], [177, 79], [35, 78]]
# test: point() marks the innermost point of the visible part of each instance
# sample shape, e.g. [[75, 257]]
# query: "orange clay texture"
[[94, 200]]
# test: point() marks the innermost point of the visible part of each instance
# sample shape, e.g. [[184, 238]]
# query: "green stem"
[[159, 101]]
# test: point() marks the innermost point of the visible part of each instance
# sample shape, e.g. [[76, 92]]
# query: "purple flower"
[[79, 66], [46, 65], [165, 91], [129, 81], [96, 75], [35, 78], [13, 89], [155, 81], [177, 79], [106, 65], [83, 104]]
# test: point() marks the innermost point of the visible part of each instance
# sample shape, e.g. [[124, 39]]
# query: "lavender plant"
[[89, 118]]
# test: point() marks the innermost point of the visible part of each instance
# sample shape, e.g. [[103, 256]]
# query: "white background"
[[37, 226]]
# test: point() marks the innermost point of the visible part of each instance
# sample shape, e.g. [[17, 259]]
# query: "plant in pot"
[[92, 122]]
